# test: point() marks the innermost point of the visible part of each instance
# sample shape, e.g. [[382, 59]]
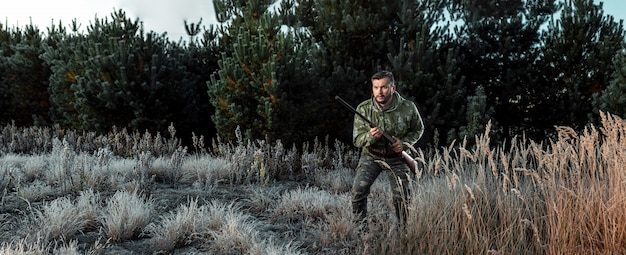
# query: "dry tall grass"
[[565, 196], [126, 215]]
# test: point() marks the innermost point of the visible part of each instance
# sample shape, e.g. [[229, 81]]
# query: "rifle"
[[405, 156]]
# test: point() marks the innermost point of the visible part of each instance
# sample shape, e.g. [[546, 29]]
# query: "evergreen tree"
[[426, 63], [263, 81], [354, 39], [500, 44], [476, 116], [613, 98], [24, 77], [201, 56], [115, 75], [576, 63], [6, 40]]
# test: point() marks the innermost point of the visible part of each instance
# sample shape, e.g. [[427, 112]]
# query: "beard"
[[382, 99]]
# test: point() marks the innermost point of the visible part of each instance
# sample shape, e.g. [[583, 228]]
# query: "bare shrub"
[[339, 228], [126, 214], [88, 203], [345, 155], [337, 180], [167, 169], [124, 174], [264, 162], [36, 191], [204, 171], [61, 219], [268, 247], [39, 140], [60, 174], [316, 156], [7, 177], [247, 162], [22, 246], [29, 140], [222, 228], [236, 233], [262, 199], [176, 228], [305, 203]]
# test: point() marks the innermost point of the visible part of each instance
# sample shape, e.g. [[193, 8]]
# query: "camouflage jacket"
[[401, 120]]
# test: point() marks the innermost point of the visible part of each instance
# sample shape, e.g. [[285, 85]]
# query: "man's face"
[[382, 90]]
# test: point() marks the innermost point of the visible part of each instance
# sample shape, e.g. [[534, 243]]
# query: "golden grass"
[[563, 198]]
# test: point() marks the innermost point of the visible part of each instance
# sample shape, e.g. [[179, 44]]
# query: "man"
[[397, 117]]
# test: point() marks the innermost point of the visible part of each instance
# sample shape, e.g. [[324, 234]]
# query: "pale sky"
[[617, 8], [157, 15]]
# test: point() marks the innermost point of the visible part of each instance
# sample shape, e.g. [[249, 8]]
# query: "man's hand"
[[397, 145], [376, 132]]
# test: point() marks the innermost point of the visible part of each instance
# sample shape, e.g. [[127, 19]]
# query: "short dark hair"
[[384, 74]]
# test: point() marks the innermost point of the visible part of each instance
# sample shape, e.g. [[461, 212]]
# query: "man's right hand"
[[376, 132]]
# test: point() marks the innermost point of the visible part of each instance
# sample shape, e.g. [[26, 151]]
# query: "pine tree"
[[576, 63], [202, 54], [6, 40], [499, 41], [262, 79], [613, 98], [117, 75], [354, 39], [426, 62], [24, 77], [476, 116]]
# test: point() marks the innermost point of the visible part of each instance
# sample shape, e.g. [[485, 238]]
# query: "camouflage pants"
[[366, 173]]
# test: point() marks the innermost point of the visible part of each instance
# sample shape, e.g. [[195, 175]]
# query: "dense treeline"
[[273, 68]]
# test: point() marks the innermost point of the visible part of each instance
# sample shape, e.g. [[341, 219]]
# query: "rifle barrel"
[[389, 138], [407, 159]]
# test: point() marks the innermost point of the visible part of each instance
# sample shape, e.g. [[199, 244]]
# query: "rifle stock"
[[405, 156]]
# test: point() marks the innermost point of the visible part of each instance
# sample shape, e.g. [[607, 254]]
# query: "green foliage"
[[116, 75], [576, 62], [613, 98], [200, 59], [499, 45], [353, 38], [6, 40], [23, 77], [426, 62], [262, 78], [476, 116]]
